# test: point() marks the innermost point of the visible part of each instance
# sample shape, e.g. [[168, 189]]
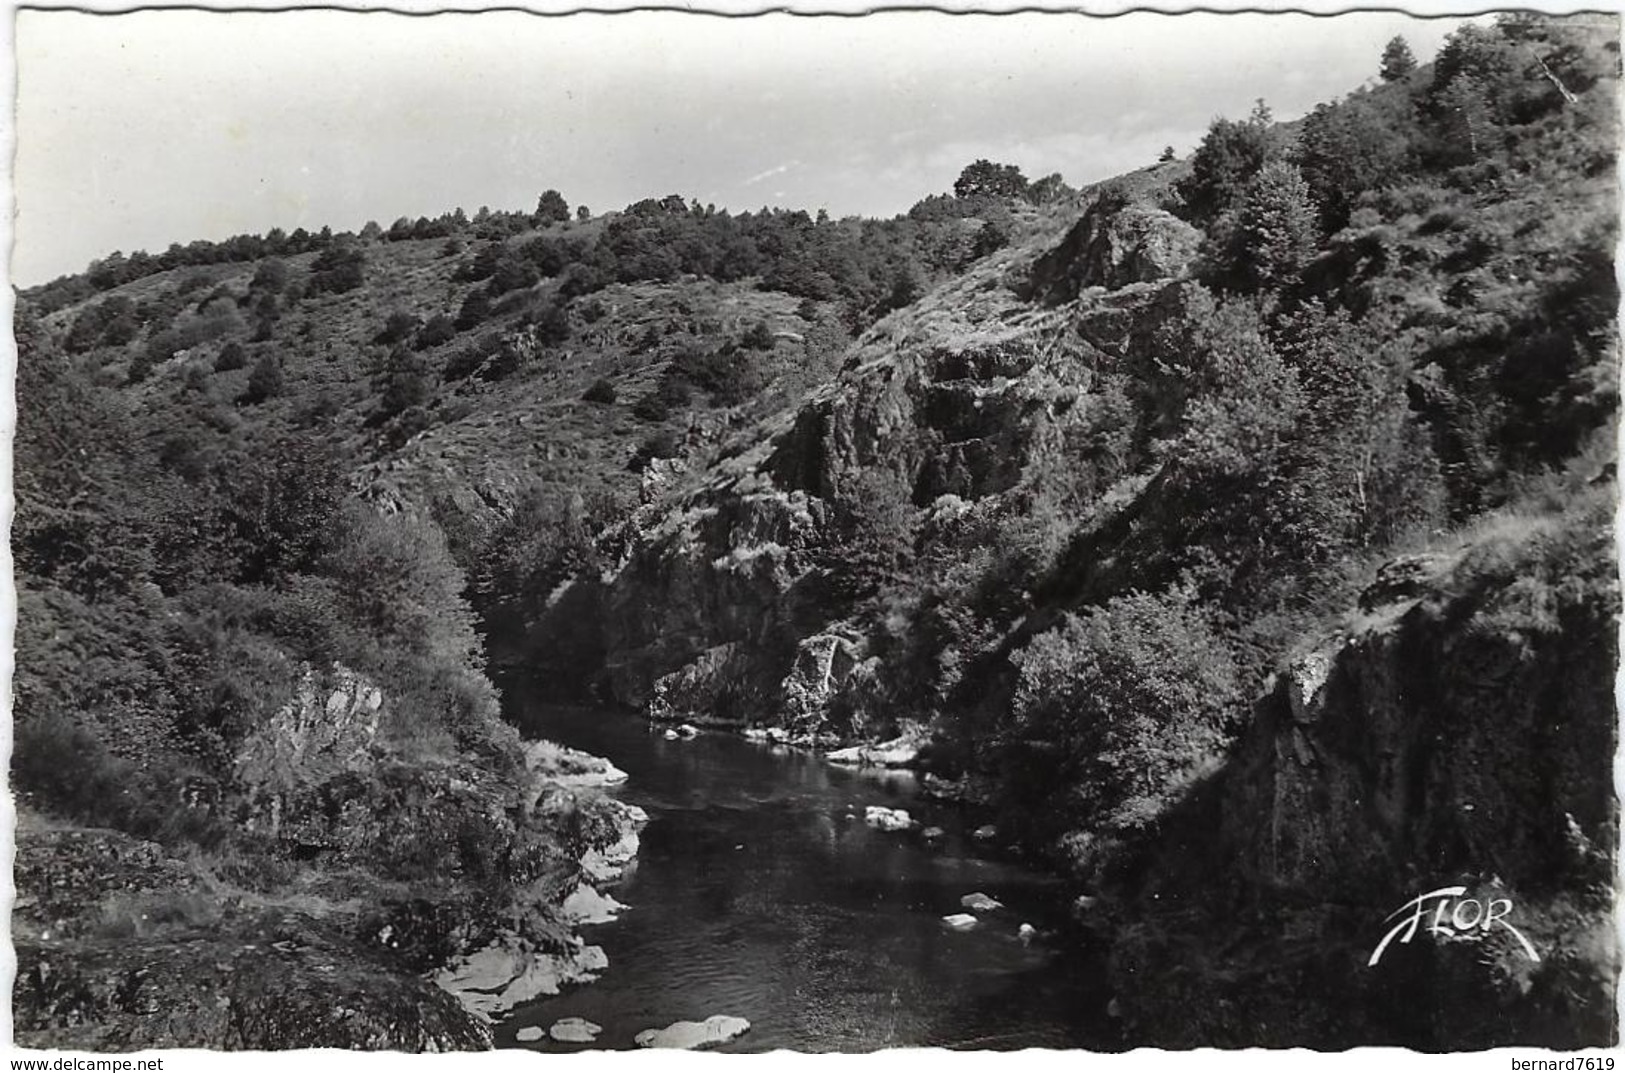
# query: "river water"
[[759, 892]]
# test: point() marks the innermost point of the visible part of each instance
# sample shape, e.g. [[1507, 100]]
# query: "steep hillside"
[[272, 495], [1234, 533], [1069, 519]]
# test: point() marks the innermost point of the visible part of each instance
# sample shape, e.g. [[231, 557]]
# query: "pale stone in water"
[[688, 1035], [574, 1030], [529, 1035], [899, 752], [585, 905], [985, 832], [960, 921], [887, 819], [980, 903], [498, 978]]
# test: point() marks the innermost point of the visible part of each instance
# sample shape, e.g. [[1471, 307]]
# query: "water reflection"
[[761, 893]]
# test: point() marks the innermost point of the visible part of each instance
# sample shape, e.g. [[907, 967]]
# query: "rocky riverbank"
[[361, 904]]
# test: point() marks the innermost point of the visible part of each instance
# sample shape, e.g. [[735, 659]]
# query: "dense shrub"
[[266, 381], [475, 308], [398, 327], [1125, 704], [338, 269], [437, 330], [232, 356], [405, 380], [111, 322]]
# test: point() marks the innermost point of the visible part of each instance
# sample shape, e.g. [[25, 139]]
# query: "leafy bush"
[[758, 337], [439, 329], [475, 308], [1354, 147], [111, 322], [398, 327], [405, 380], [232, 356], [338, 269], [265, 381], [396, 582], [651, 407], [1126, 704]]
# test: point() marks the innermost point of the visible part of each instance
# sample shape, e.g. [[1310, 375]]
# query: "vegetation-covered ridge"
[[271, 492], [1078, 513], [1183, 518]]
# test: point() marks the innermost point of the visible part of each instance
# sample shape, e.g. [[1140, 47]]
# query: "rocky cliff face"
[[1115, 243], [1455, 733], [723, 603], [1452, 731]]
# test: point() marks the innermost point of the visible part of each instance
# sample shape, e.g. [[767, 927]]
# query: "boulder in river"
[[985, 833], [529, 1035], [960, 921], [574, 1030], [494, 980], [980, 903], [899, 752], [689, 1035], [585, 905], [1027, 933], [887, 819], [933, 834]]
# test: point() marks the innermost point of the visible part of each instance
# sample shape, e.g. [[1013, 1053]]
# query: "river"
[[759, 892]]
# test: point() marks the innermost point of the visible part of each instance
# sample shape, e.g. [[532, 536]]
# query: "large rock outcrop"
[[717, 607], [1456, 733], [1116, 242]]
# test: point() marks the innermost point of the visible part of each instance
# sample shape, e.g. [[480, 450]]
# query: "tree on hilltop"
[[551, 208], [1397, 60], [984, 178]]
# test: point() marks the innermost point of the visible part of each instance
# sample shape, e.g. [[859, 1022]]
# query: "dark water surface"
[[760, 893]]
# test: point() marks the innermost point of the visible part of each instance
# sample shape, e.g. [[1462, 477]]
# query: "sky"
[[135, 131]]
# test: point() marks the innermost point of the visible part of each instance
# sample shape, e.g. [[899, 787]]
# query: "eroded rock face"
[[721, 610], [328, 726], [1113, 245], [726, 605], [1458, 735], [824, 664]]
